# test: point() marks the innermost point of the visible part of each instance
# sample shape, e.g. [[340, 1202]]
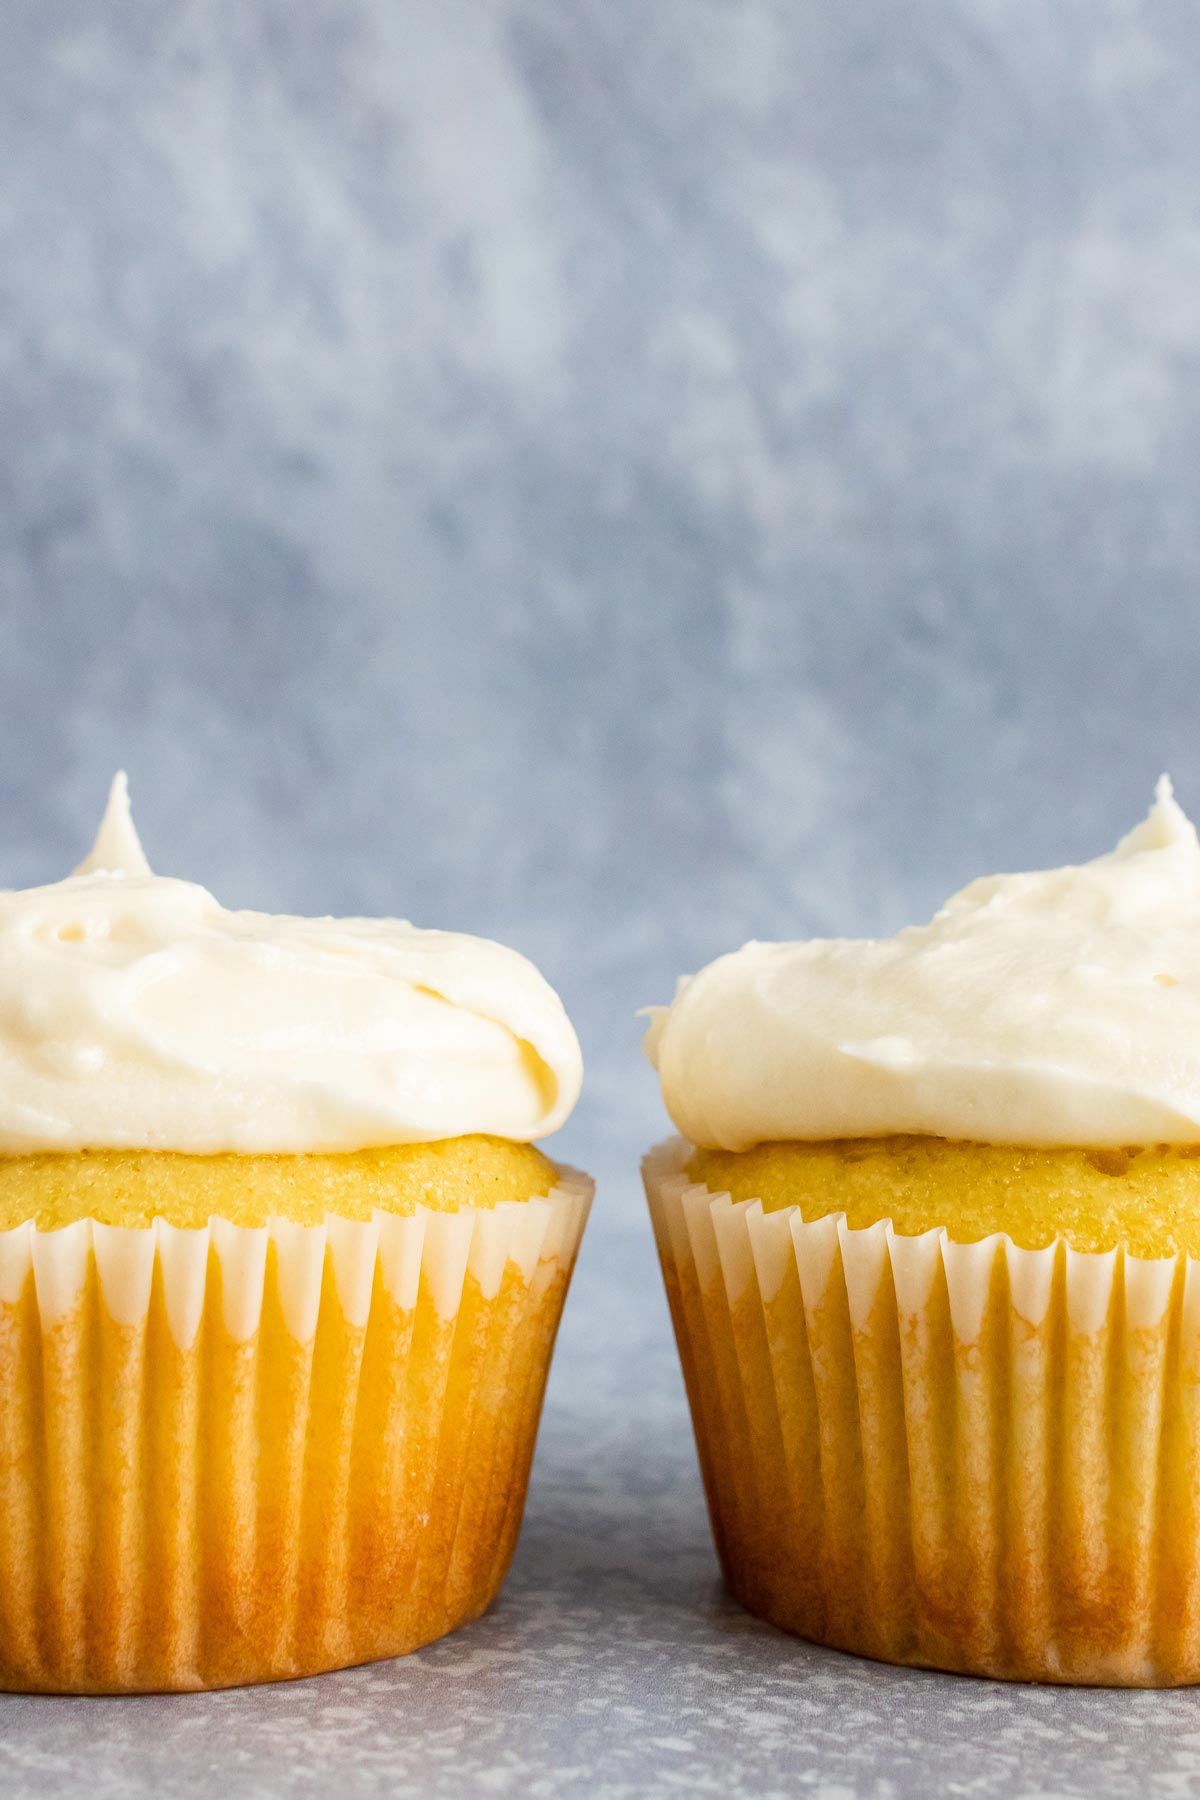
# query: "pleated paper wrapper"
[[966, 1456], [239, 1454]]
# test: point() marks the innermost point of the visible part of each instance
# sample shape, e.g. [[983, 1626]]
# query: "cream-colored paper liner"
[[237, 1454], [969, 1456]]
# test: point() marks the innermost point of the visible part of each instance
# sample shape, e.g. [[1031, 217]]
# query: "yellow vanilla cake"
[[931, 1241], [280, 1274]]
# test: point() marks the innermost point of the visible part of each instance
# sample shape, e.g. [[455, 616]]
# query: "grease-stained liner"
[[236, 1454], [965, 1456]]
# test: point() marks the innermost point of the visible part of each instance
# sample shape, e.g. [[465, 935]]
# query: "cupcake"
[[280, 1275], [930, 1242]]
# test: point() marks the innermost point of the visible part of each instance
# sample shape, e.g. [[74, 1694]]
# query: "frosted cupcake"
[[930, 1242], [280, 1274]]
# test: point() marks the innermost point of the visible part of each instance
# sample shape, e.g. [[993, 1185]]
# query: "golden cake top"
[[136, 1012], [1061, 1007]]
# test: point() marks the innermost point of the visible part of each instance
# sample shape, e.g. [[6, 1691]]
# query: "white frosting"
[[136, 1012], [1061, 1007]]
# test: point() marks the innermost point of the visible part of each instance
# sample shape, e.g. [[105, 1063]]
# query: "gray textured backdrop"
[[620, 478]]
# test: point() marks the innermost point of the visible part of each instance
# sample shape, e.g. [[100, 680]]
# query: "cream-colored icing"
[[118, 848], [1061, 1007], [135, 1011]]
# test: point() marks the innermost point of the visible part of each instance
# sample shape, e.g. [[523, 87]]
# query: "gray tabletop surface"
[[613, 1664]]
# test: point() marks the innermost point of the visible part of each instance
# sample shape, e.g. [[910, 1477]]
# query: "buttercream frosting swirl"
[[1061, 1007], [135, 1011]]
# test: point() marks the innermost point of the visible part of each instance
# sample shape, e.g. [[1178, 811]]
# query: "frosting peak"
[[1058, 1007], [1165, 825], [118, 848], [136, 1012]]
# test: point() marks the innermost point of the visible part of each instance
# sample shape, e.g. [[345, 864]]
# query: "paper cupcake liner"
[[966, 1456], [237, 1454]]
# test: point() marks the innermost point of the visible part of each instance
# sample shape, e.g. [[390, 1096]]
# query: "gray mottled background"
[[622, 479]]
